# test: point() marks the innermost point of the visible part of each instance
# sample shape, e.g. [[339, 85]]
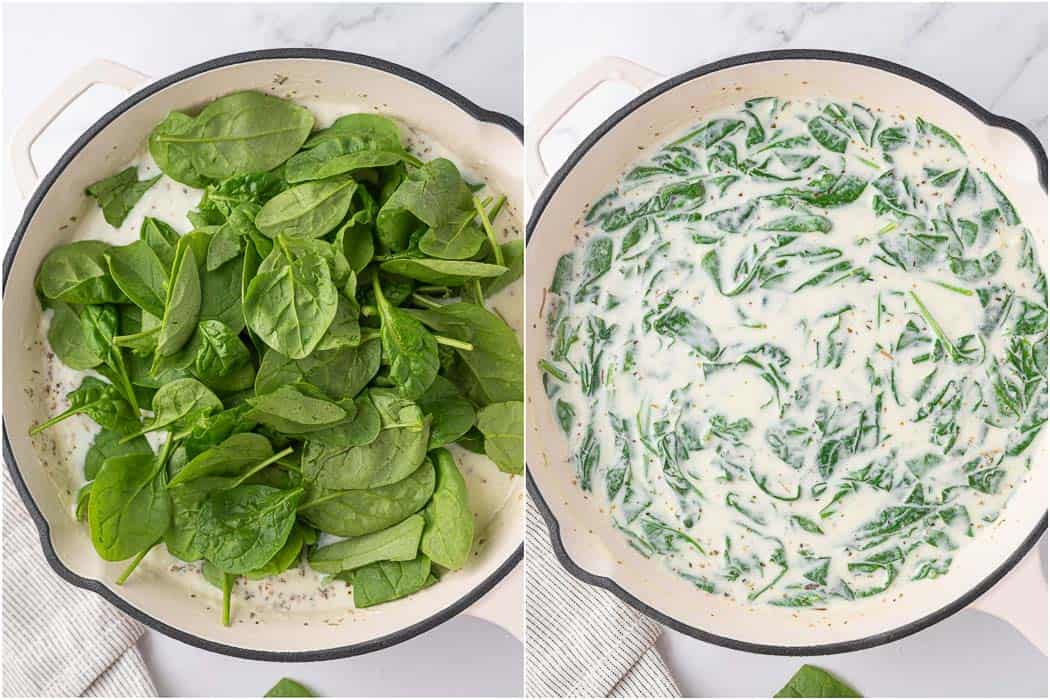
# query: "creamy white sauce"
[[62, 448], [771, 440]]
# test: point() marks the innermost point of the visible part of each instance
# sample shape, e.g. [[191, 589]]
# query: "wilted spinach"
[[800, 349]]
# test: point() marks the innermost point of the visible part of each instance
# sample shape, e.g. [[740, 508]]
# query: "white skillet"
[[583, 537], [489, 142]]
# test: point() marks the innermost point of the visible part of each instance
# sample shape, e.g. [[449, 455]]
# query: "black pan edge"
[[483, 115], [544, 199]]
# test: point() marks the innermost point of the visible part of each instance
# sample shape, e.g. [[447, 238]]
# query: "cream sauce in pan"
[[801, 352]]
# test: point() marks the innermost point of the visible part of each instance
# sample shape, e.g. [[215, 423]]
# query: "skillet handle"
[[1020, 599], [609, 68], [504, 605], [98, 72]]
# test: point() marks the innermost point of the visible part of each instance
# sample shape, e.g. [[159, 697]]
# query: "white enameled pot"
[[486, 142], [581, 531]]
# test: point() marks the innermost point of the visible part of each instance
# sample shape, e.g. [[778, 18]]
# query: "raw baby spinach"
[[309, 210], [503, 425], [396, 543], [291, 307], [239, 134], [355, 512], [129, 510], [306, 351], [384, 581], [812, 682], [139, 273], [183, 303], [77, 273], [449, 532], [409, 349], [118, 194], [287, 688]]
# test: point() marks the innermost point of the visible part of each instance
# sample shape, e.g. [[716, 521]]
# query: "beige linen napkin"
[[581, 641], [60, 640]]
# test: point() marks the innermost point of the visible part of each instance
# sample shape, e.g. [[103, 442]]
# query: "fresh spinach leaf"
[[118, 194], [503, 425], [109, 443], [448, 536], [239, 134], [407, 345], [232, 457], [297, 409], [812, 682], [356, 512], [245, 526], [129, 510], [451, 414], [309, 210], [178, 404], [77, 273], [183, 303], [429, 195], [396, 452], [446, 273], [287, 688], [396, 543], [162, 240], [100, 401], [490, 372], [291, 308], [139, 273], [384, 581]]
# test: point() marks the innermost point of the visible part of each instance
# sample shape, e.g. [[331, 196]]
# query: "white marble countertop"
[[995, 54], [474, 49]]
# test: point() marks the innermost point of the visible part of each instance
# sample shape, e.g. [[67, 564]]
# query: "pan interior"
[[294, 615], [553, 467]]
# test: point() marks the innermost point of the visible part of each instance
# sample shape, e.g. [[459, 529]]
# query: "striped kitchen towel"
[[581, 641], [59, 640]]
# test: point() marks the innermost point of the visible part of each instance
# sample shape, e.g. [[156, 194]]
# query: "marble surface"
[[475, 49], [995, 54]]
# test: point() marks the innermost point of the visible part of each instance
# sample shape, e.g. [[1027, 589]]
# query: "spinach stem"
[[227, 590], [262, 465], [369, 310], [952, 288], [453, 343], [129, 391], [935, 327], [424, 301], [290, 466], [54, 420], [318, 501], [134, 564], [131, 337], [479, 295], [497, 207], [165, 452], [496, 250]]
